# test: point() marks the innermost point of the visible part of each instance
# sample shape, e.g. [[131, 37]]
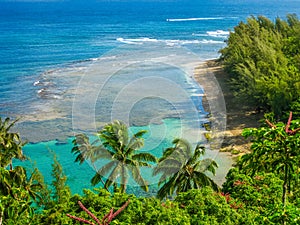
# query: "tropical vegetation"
[[121, 151], [257, 191], [182, 169], [263, 60], [10, 144], [276, 149]]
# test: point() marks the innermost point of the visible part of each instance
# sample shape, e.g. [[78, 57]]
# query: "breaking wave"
[[195, 19], [140, 41]]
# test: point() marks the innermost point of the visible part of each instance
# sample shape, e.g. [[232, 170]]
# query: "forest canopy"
[[263, 60]]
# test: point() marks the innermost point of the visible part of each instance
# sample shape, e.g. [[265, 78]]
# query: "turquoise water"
[[69, 67], [158, 137]]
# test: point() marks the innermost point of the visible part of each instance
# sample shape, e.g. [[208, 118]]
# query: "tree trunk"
[[123, 179]]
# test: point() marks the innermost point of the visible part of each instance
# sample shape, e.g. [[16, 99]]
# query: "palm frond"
[[207, 165], [166, 153], [96, 179], [136, 174], [124, 179], [140, 133], [167, 188], [147, 157], [183, 146], [203, 180], [134, 144], [163, 178], [114, 134], [99, 152], [7, 125], [168, 166], [103, 171], [121, 131], [198, 152], [115, 173], [110, 141]]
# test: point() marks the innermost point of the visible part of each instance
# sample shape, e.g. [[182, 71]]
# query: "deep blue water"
[[35, 37], [38, 36], [42, 39]]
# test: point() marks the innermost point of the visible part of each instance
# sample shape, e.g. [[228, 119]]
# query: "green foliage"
[[260, 196], [152, 211], [275, 149], [139, 210], [266, 181], [10, 144], [295, 108], [17, 192], [62, 192], [181, 169], [121, 151], [263, 59], [205, 206], [14, 211], [202, 206], [260, 190], [18, 184]]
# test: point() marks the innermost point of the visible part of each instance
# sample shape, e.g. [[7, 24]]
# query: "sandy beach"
[[238, 115]]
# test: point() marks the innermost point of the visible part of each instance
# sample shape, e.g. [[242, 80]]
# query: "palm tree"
[[182, 169], [10, 144], [275, 149], [115, 145], [17, 183]]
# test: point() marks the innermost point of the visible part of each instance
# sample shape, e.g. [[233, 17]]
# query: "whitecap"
[[36, 83], [50, 94], [136, 40], [44, 83], [126, 41], [195, 19], [218, 33], [168, 42], [204, 41], [197, 95], [41, 91], [56, 97], [200, 35], [144, 39], [106, 58]]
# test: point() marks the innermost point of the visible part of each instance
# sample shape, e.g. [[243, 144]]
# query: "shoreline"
[[238, 115]]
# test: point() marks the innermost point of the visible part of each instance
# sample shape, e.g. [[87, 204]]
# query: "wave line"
[[194, 19]]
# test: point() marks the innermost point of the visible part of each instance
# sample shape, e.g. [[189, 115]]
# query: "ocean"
[[71, 66]]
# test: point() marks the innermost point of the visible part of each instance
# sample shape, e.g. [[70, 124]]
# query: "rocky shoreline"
[[238, 115]]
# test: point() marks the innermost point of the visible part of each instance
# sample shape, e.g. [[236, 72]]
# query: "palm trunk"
[[123, 180]]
